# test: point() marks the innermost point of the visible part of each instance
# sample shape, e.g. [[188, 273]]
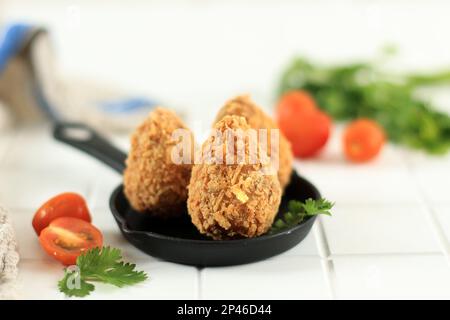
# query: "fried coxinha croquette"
[[153, 183], [256, 118], [229, 201]]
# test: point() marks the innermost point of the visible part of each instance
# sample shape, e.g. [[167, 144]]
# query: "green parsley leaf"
[[99, 265], [73, 286], [316, 207], [299, 211]]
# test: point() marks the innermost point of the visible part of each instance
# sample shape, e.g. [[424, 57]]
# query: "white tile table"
[[389, 236], [387, 239]]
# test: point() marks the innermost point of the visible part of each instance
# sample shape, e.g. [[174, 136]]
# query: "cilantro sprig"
[[99, 265], [299, 211]]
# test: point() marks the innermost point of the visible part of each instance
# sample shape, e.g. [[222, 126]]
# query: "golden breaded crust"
[[152, 182], [232, 201], [257, 119]]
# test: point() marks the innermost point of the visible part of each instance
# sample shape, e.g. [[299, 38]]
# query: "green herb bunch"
[[357, 90], [299, 211], [99, 265]]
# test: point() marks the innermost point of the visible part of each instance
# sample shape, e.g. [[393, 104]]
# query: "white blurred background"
[[198, 53]]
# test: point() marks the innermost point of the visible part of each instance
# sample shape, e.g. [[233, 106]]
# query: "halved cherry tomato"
[[303, 124], [66, 238], [363, 140], [64, 205]]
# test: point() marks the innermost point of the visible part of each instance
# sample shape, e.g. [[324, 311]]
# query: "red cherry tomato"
[[363, 140], [304, 125], [294, 102], [66, 238], [63, 205]]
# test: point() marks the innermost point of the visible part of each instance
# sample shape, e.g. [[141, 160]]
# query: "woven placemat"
[[9, 257]]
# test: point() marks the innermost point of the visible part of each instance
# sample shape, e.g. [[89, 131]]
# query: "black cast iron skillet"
[[178, 240]]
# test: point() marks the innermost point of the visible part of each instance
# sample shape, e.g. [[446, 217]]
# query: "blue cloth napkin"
[[14, 37]]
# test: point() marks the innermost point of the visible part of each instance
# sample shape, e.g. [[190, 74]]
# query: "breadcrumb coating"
[[229, 201], [153, 183], [243, 106]]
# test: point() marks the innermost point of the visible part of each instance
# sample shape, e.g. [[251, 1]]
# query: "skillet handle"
[[88, 140]]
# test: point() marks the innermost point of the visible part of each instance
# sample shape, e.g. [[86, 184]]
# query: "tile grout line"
[[325, 257], [91, 193], [199, 283], [388, 254], [9, 146], [431, 216], [437, 230]]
